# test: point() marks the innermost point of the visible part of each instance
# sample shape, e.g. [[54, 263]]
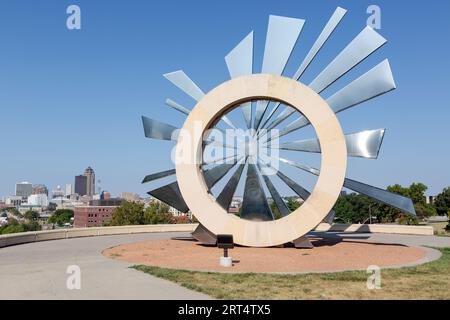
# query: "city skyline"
[[86, 89]]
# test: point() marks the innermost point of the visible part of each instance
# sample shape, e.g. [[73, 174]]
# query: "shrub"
[[408, 220]]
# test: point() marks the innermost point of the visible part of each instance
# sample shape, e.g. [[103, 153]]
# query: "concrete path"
[[38, 270]]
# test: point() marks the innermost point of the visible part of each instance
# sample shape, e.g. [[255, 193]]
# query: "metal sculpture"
[[255, 94]]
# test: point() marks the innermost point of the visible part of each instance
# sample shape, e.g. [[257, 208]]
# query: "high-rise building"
[[81, 185], [69, 189], [90, 185], [40, 189], [24, 189]]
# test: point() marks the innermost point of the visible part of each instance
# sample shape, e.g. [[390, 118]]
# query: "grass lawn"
[[428, 281]]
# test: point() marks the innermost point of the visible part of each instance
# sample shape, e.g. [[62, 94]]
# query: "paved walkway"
[[38, 270]]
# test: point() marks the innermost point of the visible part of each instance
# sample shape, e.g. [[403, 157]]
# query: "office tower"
[[69, 189], [81, 185], [24, 189], [90, 185]]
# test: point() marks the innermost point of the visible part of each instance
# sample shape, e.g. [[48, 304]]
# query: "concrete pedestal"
[[226, 262]]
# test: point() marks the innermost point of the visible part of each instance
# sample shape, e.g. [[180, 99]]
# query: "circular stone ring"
[[333, 163]]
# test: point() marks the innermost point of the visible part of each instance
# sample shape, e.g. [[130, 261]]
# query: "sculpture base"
[[226, 262], [347, 255]]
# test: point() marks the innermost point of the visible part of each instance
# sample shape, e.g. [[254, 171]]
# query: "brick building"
[[97, 214], [92, 216]]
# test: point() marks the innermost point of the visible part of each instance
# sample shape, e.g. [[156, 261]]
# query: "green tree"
[[293, 204], [276, 213], [14, 226], [129, 213], [425, 210], [33, 226], [416, 192], [442, 202], [14, 212], [61, 217], [158, 213], [355, 208], [31, 215]]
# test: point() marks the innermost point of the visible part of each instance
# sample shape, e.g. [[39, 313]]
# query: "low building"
[[97, 214], [3, 205], [92, 216], [24, 208], [38, 200], [14, 201], [130, 196]]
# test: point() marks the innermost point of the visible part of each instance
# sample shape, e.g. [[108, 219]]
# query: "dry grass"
[[429, 281], [440, 229]]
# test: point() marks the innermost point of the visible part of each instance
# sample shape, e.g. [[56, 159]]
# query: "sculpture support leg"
[[303, 243], [204, 236]]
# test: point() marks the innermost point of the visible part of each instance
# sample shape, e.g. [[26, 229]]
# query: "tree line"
[[356, 208]]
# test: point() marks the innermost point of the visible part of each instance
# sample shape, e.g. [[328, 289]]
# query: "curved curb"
[[38, 236]]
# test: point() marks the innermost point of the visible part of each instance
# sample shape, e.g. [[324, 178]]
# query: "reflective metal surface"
[[283, 116], [384, 196], [159, 175], [255, 206], [282, 35], [212, 176], [226, 196], [301, 166], [177, 107], [240, 63], [171, 195], [154, 129], [372, 84], [279, 202], [299, 190], [203, 235], [185, 84], [221, 160], [364, 44], [364, 144], [159, 130], [323, 37]]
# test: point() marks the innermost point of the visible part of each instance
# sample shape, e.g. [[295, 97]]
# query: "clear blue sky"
[[72, 99]]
